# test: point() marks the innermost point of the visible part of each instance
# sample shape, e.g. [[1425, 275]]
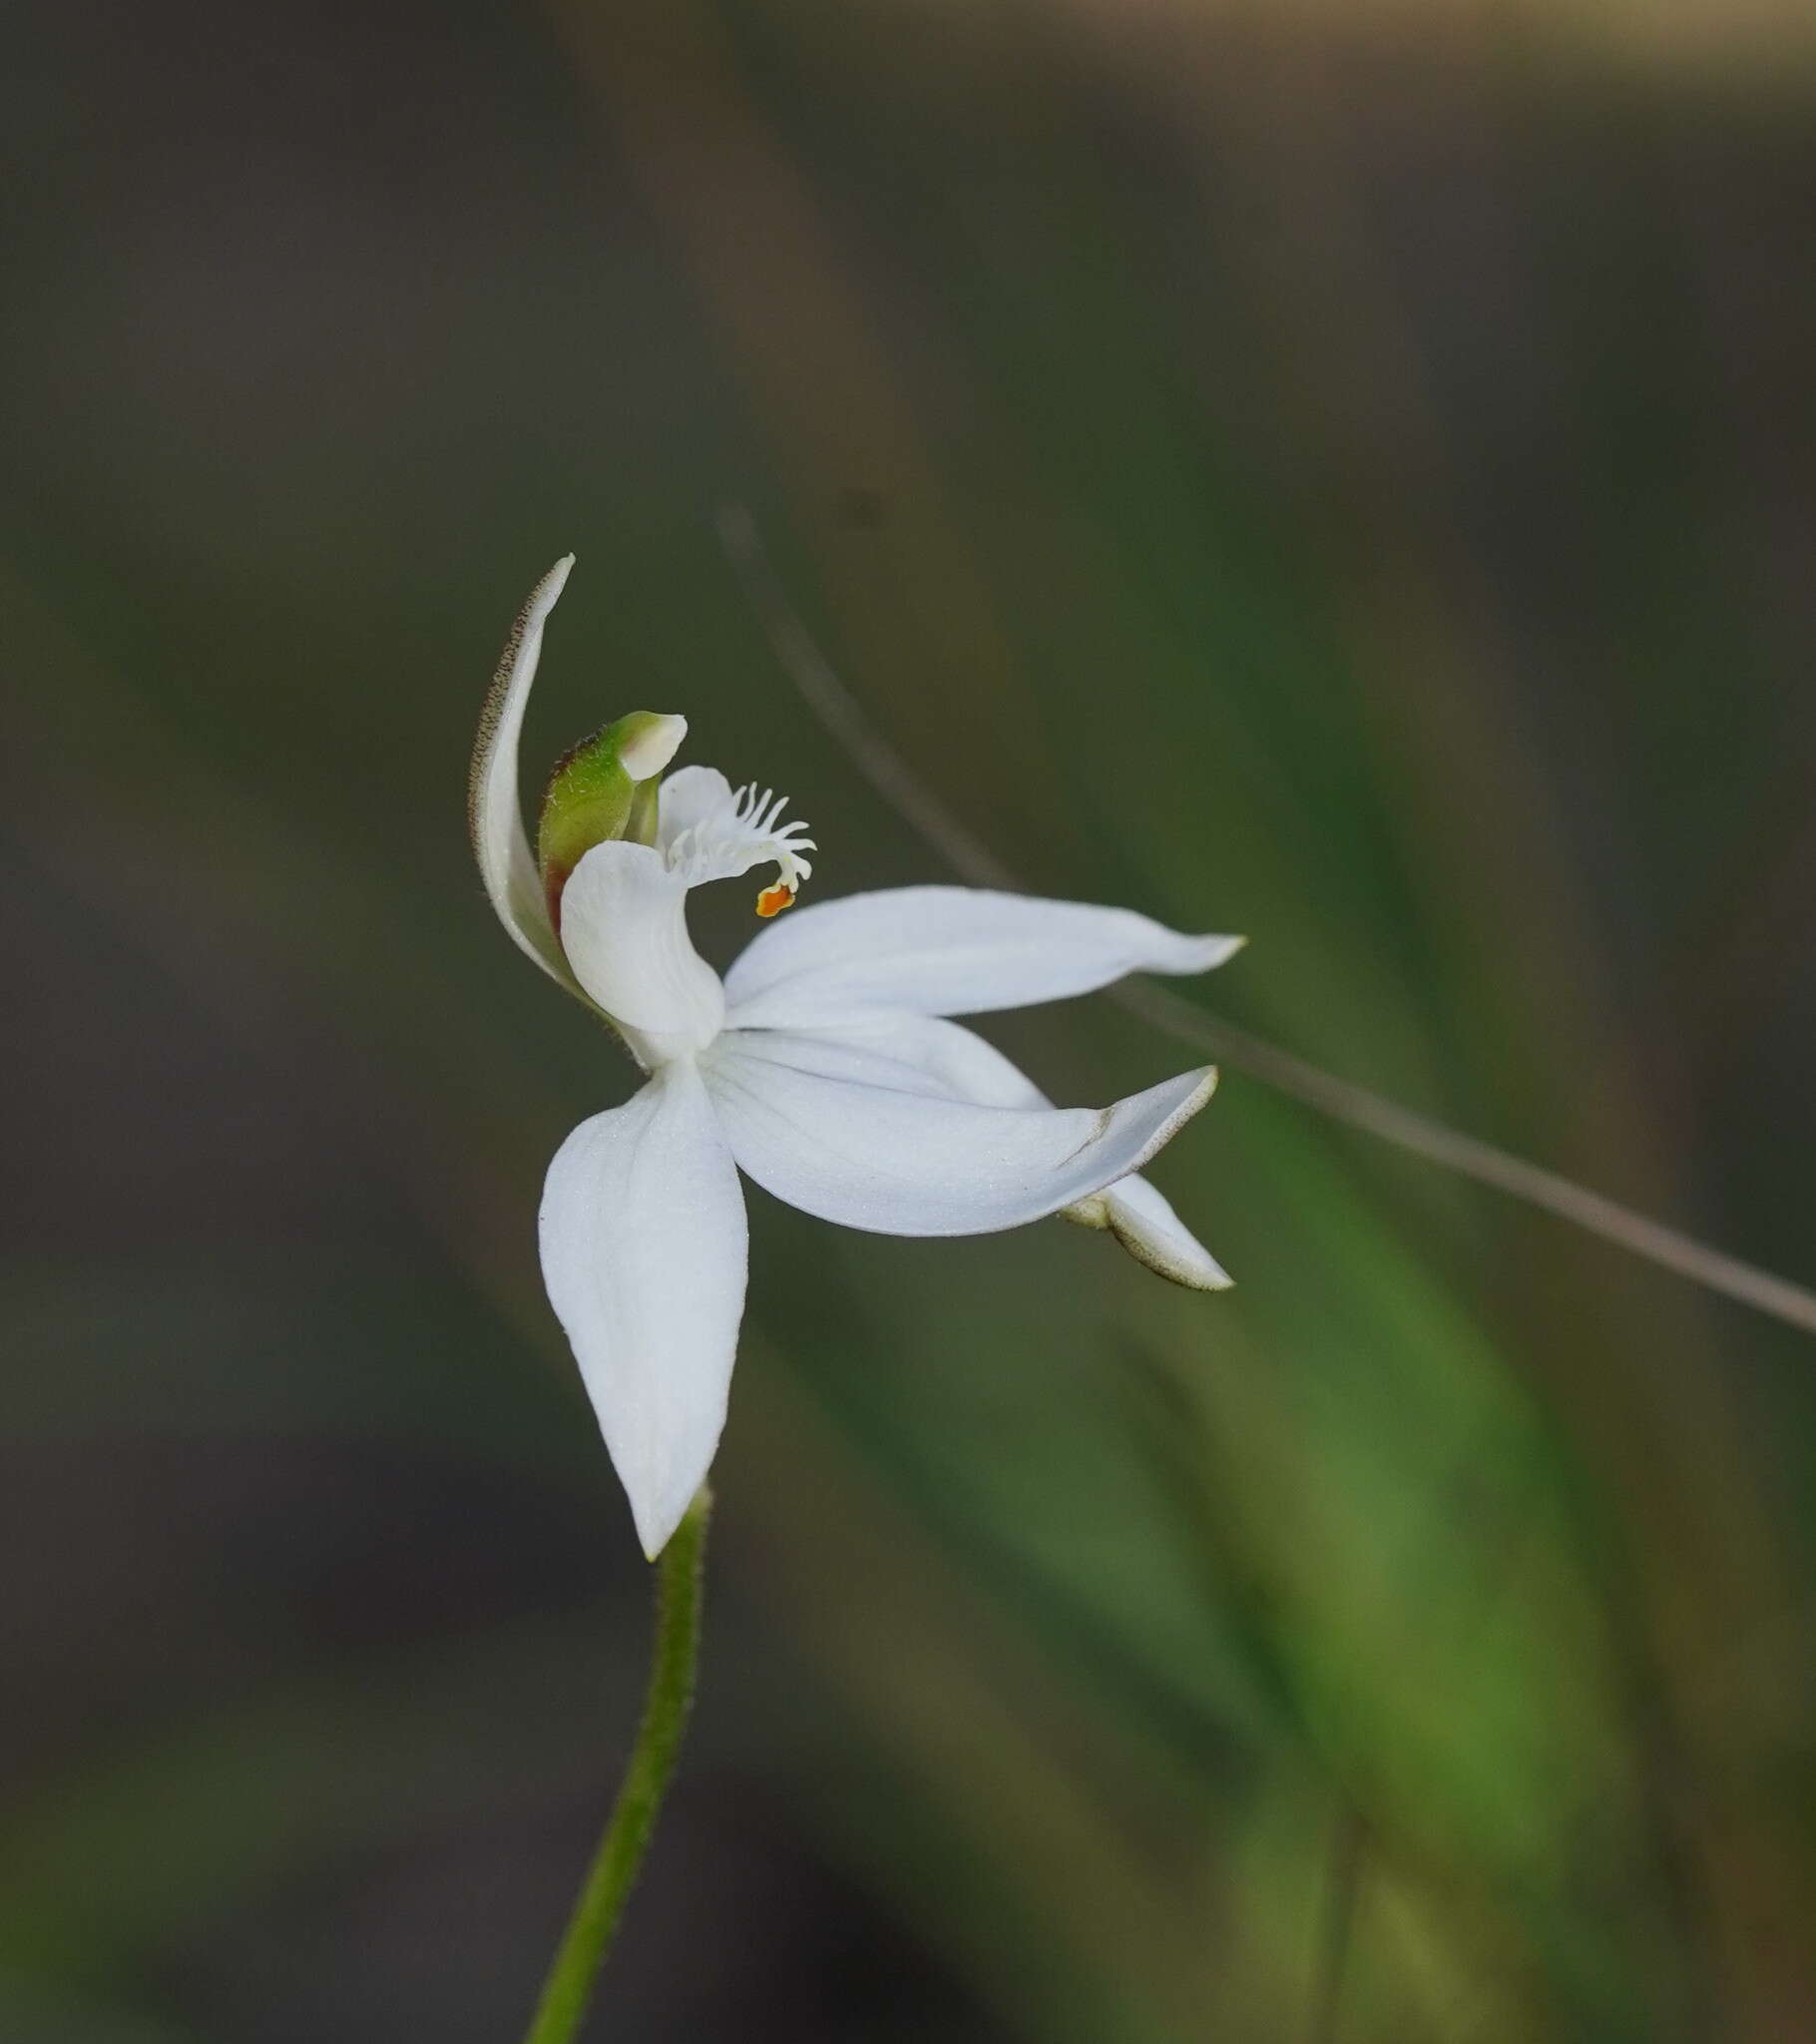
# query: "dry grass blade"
[[1342, 1100]]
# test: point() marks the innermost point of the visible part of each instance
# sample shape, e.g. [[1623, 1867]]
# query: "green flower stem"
[[680, 1597]]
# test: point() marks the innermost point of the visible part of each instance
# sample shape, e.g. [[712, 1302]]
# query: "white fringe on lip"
[[747, 832]]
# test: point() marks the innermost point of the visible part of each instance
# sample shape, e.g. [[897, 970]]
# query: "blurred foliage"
[[1339, 476]]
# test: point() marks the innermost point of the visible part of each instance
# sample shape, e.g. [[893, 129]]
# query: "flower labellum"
[[823, 1065]]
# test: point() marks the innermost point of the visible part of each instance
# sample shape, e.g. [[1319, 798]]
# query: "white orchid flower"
[[822, 1066]]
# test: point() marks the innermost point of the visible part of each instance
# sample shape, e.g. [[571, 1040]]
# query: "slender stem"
[[679, 1597]]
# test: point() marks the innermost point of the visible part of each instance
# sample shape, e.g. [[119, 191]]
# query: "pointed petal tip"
[[1199, 1273], [659, 1521], [1205, 1084], [1143, 1221], [656, 1511], [548, 591], [1189, 1090], [1206, 1077], [1219, 950]]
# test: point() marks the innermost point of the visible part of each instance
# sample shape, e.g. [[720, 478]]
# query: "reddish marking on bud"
[[554, 879], [772, 900]]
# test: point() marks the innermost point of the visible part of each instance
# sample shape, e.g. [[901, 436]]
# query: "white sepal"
[[947, 951], [493, 811], [896, 1161], [921, 1053], [644, 1253], [915, 1054]]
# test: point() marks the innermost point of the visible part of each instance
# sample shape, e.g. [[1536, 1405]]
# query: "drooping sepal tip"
[[601, 790]]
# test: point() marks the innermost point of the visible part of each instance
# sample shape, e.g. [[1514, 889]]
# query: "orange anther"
[[772, 900]]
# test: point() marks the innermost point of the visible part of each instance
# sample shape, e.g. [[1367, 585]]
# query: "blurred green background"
[[1340, 473]]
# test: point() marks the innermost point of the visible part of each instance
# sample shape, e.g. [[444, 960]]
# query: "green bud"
[[601, 790]]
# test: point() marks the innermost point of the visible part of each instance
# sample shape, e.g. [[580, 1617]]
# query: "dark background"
[[1335, 472]]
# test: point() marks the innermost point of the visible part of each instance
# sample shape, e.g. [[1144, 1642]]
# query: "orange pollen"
[[772, 900]]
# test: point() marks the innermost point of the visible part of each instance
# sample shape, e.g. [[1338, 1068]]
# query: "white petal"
[[919, 1053], [494, 813], [912, 1054], [644, 1252], [806, 1118], [624, 925], [947, 951]]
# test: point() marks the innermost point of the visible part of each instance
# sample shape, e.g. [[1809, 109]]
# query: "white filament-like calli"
[[708, 831], [947, 951], [896, 1162], [644, 1252]]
